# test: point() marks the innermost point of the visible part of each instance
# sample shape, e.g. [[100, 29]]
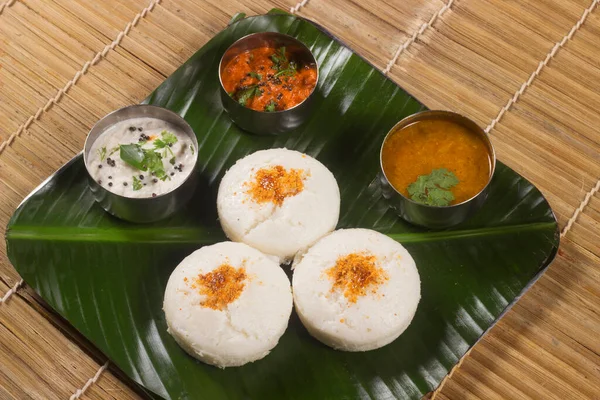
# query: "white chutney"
[[112, 173]]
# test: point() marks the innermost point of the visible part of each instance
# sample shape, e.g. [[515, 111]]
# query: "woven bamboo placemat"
[[527, 70]]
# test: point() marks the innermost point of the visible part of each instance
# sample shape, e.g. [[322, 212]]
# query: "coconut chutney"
[[141, 157]]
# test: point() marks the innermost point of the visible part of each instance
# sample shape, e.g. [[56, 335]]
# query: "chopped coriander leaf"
[[153, 161], [246, 94], [168, 139], [433, 189], [192, 149], [134, 155], [271, 106], [256, 75], [102, 153], [290, 70], [279, 58], [137, 184], [172, 161]]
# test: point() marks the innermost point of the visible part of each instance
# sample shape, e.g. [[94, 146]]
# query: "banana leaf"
[[107, 277]]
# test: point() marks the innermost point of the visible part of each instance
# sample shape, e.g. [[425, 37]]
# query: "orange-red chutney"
[[423, 146], [286, 92]]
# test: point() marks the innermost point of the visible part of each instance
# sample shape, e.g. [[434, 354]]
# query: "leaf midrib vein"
[[205, 236]]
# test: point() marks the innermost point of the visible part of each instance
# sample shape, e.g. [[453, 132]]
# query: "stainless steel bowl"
[[259, 122], [148, 209], [433, 216]]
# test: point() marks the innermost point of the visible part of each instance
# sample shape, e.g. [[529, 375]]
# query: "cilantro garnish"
[[282, 64], [290, 70], [172, 160], [137, 184], [271, 106], [102, 153], [168, 140], [143, 159], [279, 58], [154, 164], [256, 75], [192, 149], [432, 189], [247, 93]]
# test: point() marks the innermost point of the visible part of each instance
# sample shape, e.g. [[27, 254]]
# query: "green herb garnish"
[[143, 159], [290, 70], [137, 184], [283, 66], [192, 149], [114, 150], [256, 75], [134, 155], [172, 161], [154, 164], [168, 140], [279, 58], [432, 189], [271, 106], [102, 153], [246, 94]]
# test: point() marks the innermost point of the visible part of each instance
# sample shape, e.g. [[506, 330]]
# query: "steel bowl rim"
[[287, 37], [425, 113], [138, 106]]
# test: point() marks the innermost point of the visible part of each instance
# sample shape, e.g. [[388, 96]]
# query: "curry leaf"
[[134, 155]]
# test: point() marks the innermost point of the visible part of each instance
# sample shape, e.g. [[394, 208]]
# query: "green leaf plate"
[[107, 277]]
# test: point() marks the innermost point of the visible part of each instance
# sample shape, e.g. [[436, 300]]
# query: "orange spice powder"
[[221, 286], [356, 273], [275, 184]]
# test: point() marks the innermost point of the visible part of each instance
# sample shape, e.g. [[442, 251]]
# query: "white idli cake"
[[278, 201], [356, 289], [227, 304]]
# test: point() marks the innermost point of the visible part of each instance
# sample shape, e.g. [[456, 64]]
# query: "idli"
[[227, 304], [356, 289], [278, 201]]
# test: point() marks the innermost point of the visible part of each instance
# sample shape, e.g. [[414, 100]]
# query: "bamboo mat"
[[529, 71]]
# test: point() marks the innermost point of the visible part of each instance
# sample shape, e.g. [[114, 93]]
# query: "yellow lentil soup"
[[413, 154]]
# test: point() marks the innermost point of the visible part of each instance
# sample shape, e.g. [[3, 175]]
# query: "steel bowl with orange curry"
[[268, 79]]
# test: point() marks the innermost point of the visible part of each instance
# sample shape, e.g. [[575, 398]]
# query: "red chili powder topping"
[[275, 184], [356, 273], [221, 286]]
